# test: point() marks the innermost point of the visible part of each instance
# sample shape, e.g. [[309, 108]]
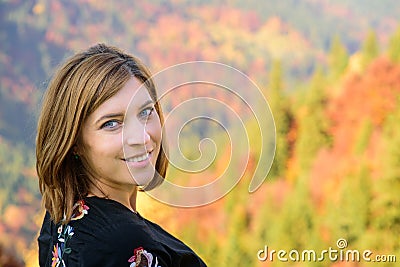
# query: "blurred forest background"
[[330, 70]]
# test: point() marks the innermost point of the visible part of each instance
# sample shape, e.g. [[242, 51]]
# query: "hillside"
[[330, 71]]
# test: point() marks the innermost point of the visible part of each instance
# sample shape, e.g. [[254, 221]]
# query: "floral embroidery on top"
[[65, 232], [79, 210], [142, 258], [61, 247]]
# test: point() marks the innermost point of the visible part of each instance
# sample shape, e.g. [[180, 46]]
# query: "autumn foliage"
[[335, 102]]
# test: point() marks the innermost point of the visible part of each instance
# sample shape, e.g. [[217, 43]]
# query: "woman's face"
[[122, 138]]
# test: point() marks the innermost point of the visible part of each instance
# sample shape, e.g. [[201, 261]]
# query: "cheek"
[[98, 148], [153, 128], [155, 132]]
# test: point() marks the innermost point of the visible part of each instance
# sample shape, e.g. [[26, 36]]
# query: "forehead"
[[131, 96]]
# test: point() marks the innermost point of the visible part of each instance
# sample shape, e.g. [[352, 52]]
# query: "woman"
[[99, 140]]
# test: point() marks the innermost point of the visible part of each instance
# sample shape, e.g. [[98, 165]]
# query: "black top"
[[104, 232]]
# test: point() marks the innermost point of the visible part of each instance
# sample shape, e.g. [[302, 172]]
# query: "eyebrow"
[[147, 103]]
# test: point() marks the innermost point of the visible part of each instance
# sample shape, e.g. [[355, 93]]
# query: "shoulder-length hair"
[[79, 87]]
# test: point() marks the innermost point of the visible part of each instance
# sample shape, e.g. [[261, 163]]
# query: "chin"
[[143, 178]]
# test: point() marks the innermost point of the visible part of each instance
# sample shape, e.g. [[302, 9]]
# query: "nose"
[[135, 133]]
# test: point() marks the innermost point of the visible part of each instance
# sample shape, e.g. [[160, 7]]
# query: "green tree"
[[313, 123], [236, 246], [279, 103], [394, 46], [386, 203], [212, 251], [370, 49], [338, 58], [364, 136], [295, 225], [348, 217]]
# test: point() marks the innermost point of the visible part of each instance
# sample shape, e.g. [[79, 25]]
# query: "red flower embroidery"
[[80, 209], [141, 258]]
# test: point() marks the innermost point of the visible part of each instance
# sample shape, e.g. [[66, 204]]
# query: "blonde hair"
[[80, 86]]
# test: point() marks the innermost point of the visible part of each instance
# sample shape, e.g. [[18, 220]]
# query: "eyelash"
[[110, 128], [150, 109], [150, 112]]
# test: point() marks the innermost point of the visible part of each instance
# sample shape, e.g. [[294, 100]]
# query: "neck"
[[126, 196]]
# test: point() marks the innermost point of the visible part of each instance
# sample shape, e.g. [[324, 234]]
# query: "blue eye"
[[145, 113], [110, 124]]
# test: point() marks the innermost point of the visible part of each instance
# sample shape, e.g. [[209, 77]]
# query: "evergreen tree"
[[236, 250], [212, 251], [265, 226], [313, 123], [370, 49], [386, 203], [348, 217], [338, 58], [394, 46], [295, 225], [363, 137], [282, 116]]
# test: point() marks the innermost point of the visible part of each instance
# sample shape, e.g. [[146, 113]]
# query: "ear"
[[75, 150]]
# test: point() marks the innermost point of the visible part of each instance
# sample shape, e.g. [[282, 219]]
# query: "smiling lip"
[[139, 161]]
